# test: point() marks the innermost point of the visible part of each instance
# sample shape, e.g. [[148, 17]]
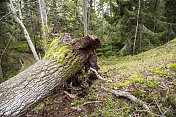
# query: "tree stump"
[[63, 59]]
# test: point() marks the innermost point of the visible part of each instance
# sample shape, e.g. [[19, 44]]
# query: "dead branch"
[[99, 77], [125, 94]]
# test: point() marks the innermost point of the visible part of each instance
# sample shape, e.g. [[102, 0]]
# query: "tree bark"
[[44, 20], [20, 93], [103, 19], [85, 16], [26, 34], [1, 74], [134, 46]]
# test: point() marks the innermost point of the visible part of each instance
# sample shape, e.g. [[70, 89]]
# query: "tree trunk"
[[1, 74], [19, 9], [110, 3], [85, 16], [134, 46], [103, 19], [26, 34], [44, 20], [20, 93]]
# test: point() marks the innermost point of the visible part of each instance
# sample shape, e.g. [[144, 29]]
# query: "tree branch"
[[125, 94]]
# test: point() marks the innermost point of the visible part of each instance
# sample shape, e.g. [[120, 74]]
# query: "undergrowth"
[[149, 76]]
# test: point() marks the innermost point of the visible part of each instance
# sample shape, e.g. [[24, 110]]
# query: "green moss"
[[152, 83], [159, 71], [137, 78], [60, 53], [172, 67], [125, 84]]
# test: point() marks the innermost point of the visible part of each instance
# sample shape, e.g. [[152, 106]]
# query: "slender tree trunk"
[[88, 20], [134, 46], [55, 15], [141, 32], [1, 74], [90, 16], [103, 19], [44, 20], [110, 24], [155, 15], [19, 9], [85, 16], [20, 93], [26, 34]]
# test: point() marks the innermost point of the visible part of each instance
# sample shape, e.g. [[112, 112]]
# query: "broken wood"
[[22, 92]]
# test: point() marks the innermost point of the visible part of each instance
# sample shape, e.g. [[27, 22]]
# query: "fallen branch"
[[125, 94], [99, 77]]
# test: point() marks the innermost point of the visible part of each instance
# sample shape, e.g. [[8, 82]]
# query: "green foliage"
[[92, 95], [152, 83], [111, 108], [78, 102], [20, 47]]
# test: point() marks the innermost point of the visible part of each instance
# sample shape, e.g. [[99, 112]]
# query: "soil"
[[59, 103]]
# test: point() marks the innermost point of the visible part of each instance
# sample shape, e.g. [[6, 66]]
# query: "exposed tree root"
[[125, 94], [99, 77]]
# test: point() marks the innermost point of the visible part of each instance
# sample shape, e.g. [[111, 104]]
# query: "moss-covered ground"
[[149, 76]]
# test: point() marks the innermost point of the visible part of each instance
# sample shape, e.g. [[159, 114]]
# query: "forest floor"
[[15, 62], [149, 76]]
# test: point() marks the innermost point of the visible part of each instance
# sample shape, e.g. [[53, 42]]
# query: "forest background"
[[124, 26]]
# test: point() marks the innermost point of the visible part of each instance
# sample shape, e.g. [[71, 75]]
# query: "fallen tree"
[[63, 59]]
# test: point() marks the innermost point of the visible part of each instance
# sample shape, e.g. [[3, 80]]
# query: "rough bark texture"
[[20, 93]]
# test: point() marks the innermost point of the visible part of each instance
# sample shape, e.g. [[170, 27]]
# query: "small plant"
[[39, 107], [152, 83], [92, 95], [78, 102]]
